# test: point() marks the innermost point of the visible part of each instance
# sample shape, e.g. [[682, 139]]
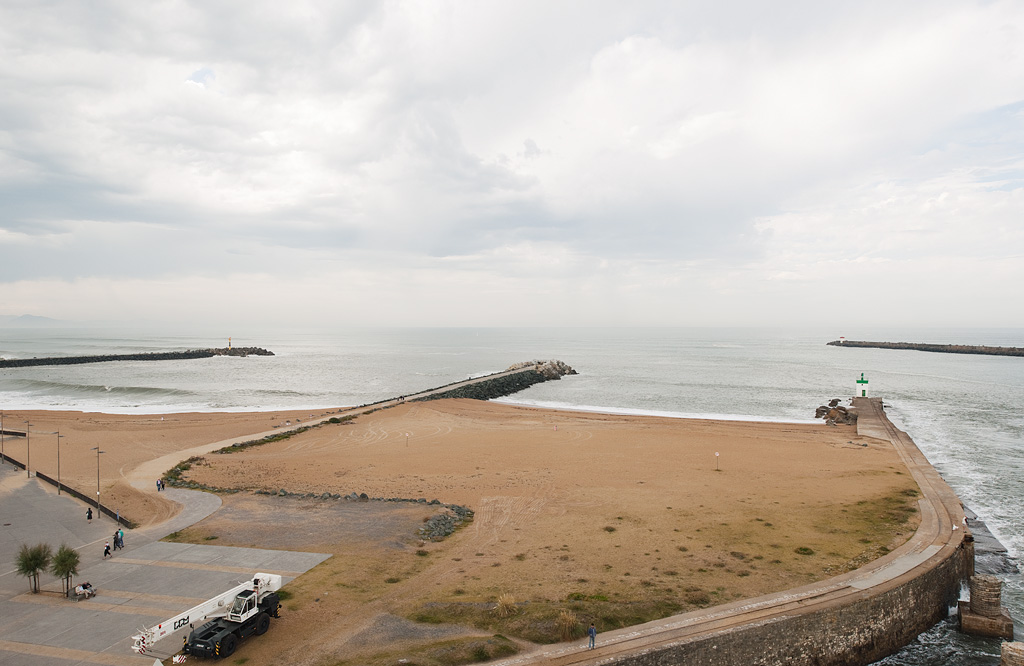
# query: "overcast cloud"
[[513, 163]]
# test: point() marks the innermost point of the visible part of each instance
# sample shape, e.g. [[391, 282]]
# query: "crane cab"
[[244, 606]]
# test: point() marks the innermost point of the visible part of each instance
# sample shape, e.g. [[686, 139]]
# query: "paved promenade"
[[146, 582]]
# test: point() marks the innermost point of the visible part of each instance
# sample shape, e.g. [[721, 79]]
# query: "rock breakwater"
[[436, 528], [922, 346], [147, 356], [516, 378], [835, 414]]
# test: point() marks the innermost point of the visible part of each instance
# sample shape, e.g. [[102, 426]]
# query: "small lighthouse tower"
[[862, 387]]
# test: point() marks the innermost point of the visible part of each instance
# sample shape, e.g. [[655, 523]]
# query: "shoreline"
[[630, 411]]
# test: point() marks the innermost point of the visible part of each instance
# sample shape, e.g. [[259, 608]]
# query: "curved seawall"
[[850, 620]]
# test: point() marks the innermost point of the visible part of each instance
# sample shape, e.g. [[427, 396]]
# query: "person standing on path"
[[88, 514], [106, 550], [592, 632]]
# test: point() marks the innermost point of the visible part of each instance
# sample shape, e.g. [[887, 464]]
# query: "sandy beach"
[[603, 511], [126, 441]]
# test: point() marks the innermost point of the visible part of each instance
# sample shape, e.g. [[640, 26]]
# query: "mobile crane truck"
[[236, 614]]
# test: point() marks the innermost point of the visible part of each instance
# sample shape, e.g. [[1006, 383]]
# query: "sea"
[[965, 412]]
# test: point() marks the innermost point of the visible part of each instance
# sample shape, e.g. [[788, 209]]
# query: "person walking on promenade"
[[106, 550], [117, 543], [88, 515], [158, 484], [592, 632]]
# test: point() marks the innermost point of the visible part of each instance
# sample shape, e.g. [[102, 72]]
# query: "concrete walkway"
[[146, 582]]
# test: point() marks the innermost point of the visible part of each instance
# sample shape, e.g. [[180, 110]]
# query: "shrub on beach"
[[568, 625], [506, 605]]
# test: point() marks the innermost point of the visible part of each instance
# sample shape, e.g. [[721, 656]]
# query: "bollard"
[[1013, 654], [986, 592]]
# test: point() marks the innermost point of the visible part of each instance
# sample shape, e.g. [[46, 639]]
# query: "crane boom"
[[215, 607]]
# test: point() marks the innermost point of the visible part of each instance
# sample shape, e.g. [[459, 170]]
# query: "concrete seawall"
[[850, 620]]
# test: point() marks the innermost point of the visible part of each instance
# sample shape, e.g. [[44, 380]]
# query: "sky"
[[522, 163]]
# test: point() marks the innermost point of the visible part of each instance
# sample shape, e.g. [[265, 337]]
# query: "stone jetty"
[[146, 356], [922, 346], [514, 379]]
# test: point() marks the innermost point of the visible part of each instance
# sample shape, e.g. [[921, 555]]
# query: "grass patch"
[[455, 652], [538, 621], [803, 550]]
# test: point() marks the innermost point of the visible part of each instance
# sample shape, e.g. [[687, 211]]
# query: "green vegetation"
[[539, 621], [65, 566], [444, 653], [31, 561]]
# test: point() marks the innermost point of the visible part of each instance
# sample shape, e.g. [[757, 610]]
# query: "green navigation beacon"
[[862, 386]]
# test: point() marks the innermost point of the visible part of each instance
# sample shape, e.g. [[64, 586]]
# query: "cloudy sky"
[[513, 163]]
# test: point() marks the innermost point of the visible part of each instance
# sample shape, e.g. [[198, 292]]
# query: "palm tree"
[[65, 566], [32, 560]]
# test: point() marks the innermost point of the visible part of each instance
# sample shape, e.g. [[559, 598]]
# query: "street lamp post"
[[28, 450], [98, 452], [58, 460]]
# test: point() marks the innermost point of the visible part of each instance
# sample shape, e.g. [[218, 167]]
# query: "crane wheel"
[[227, 646], [262, 624]]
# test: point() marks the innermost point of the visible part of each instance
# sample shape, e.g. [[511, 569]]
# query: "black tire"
[[262, 624], [227, 646]]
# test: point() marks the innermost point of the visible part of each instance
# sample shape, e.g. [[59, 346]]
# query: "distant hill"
[[31, 321]]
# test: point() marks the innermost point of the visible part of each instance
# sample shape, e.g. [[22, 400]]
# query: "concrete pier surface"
[[146, 582]]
